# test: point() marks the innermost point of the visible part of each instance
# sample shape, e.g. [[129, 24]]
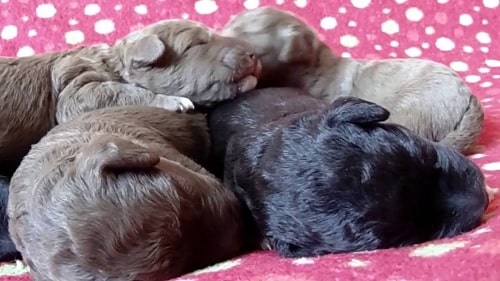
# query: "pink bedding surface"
[[462, 34]]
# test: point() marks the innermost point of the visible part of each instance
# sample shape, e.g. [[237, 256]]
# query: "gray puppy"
[[119, 194], [424, 96], [172, 64]]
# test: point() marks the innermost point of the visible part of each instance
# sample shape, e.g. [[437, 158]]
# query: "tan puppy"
[[172, 64], [425, 96], [114, 195]]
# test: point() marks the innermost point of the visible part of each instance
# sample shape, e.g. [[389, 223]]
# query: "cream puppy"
[[425, 96]]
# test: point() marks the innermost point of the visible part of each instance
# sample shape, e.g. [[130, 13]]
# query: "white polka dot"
[[430, 30], [345, 55], [401, 1], [9, 32], [251, 4], [492, 63], [472, 78], [45, 11], [414, 14], [468, 49], [378, 47], [328, 23], [349, 41], [74, 37], [413, 52], [484, 21], [4, 1], [476, 8], [486, 84], [465, 19], [141, 9], [25, 18], [185, 16], [492, 4], [218, 267], [357, 263], [390, 27], [205, 7], [118, 7], [72, 22], [478, 155], [393, 54], [425, 45], [91, 10], [32, 33], [483, 70], [484, 49], [445, 44], [352, 23], [442, 1], [104, 26], [386, 10], [435, 250], [342, 10], [459, 66], [394, 44], [483, 37], [25, 51], [303, 261], [300, 3], [361, 4], [496, 76], [493, 166], [280, 2]]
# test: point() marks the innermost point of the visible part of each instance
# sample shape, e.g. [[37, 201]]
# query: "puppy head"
[[122, 211], [279, 38], [185, 58]]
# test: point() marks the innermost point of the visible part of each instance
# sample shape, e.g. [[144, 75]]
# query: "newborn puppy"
[[119, 194], [172, 64], [8, 250], [424, 96], [330, 179]]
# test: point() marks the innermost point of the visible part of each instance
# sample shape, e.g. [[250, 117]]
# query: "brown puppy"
[[425, 96], [170, 64], [114, 195]]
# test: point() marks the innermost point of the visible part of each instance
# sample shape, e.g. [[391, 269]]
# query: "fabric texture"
[[459, 33]]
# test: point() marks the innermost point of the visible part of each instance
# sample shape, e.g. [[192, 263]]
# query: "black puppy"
[[322, 179], [8, 250]]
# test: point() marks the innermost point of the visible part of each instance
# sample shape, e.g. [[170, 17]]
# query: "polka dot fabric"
[[462, 34]]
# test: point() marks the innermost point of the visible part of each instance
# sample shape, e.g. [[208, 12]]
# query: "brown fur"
[[425, 96], [114, 195], [173, 64]]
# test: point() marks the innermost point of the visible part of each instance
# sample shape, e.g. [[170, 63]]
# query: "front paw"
[[173, 103]]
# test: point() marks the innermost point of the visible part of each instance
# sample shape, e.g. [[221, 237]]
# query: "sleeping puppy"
[[424, 96], [322, 179], [120, 194], [174, 64], [8, 250]]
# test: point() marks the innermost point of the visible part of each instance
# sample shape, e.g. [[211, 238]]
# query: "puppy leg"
[[93, 90]]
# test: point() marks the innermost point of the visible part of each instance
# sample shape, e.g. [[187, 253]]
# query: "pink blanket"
[[462, 34]]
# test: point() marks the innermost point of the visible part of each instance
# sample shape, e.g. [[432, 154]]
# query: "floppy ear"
[[298, 47], [355, 110], [113, 153], [144, 51]]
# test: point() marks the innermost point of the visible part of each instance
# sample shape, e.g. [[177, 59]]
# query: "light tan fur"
[[174, 64], [425, 96], [119, 194]]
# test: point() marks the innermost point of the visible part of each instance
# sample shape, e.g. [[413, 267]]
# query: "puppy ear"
[[143, 51], [355, 110], [113, 153], [298, 47]]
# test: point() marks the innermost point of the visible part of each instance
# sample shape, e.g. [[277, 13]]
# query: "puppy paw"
[[173, 103]]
